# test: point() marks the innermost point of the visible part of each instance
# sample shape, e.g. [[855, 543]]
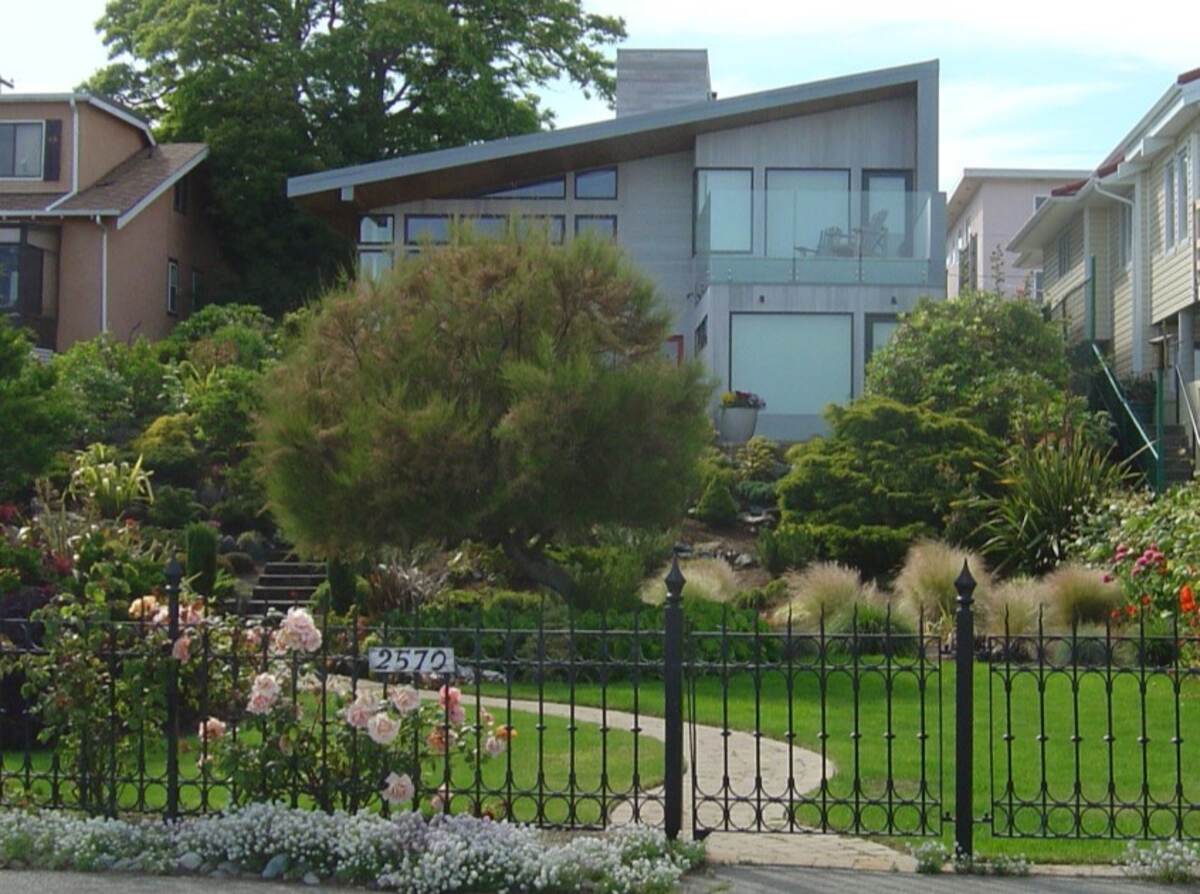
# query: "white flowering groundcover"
[[405, 853]]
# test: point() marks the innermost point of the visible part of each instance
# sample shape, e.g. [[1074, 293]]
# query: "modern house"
[[985, 211], [101, 228], [1120, 255], [786, 229]]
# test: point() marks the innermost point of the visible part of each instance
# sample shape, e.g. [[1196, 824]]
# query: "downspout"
[[103, 274]]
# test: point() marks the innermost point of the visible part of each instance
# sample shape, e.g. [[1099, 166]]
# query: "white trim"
[[40, 122], [161, 188], [74, 158], [103, 275], [20, 214], [103, 105]]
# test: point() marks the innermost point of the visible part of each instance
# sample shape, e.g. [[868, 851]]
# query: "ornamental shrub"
[[36, 414], [872, 627], [174, 507], [788, 545], [885, 474], [168, 449], [249, 333], [201, 544], [114, 387], [1079, 595], [758, 460], [224, 411], [343, 585], [991, 357], [717, 507]]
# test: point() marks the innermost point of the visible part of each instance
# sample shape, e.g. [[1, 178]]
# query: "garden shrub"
[[1079, 595], [238, 564], [717, 507], [603, 576], [756, 494], [788, 545], [820, 591], [984, 355], [764, 598], [116, 388], [243, 503], [36, 416], [651, 547], [343, 585], [926, 582], [886, 474], [224, 410], [872, 627], [174, 507], [322, 602], [201, 544], [1017, 603], [107, 486], [1046, 492], [168, 449], [245, 326], [758, 460], [254, 544]]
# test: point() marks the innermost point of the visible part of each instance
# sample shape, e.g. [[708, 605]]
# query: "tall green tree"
[[513, 392], [286, 87]]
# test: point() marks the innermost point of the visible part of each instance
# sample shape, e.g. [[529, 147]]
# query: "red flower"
[[1131, 609], [60, 565], [1145, 599], [8, 513], [1116, 614], [1187, 599]]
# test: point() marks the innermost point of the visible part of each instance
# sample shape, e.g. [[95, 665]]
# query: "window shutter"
[[52, 159]]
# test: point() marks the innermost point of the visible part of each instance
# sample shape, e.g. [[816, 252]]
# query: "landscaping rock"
[[228, 867], [275, 867], [311, 878], [190, 861], [682, 549], [744, 560], [227, 545], [708, 550]]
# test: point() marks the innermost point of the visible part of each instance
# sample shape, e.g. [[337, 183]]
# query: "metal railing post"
[[174, 575], [673, 702], [1160, 460], [964, 716]]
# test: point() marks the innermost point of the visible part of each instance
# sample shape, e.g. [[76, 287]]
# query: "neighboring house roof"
[[124, 191], [1153, 134], [973, 178], [624, 138], [103, 103]]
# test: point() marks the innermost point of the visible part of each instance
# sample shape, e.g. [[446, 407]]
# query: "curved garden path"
[[776, 848]]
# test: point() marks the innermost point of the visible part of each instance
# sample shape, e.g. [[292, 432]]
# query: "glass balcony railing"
[[877, 237]]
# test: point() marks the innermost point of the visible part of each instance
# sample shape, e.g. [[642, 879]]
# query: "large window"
[[880, 329], [798, 363], [724, 210], [10, 275], [808, 211], [426, 228], [1181, 199], [21, 149], [376, 229], [598, 184], [602, 225]]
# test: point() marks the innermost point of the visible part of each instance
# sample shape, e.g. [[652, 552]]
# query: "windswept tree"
[[508, 391], [285, 87]]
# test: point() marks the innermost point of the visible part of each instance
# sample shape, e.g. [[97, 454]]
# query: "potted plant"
[[739, 415]]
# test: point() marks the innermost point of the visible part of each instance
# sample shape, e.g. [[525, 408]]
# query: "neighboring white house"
[[985, 211], [786, 229]]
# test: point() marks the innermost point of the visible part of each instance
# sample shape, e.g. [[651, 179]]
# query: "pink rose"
[[182, 649], [190, 616], [382, 728], [260, 703], [398, 789], [298, 632], [441, 797], [494, 747], [211, 730], [360, 712], [457, 715], [405, 699], [266, 683], [449, 696]]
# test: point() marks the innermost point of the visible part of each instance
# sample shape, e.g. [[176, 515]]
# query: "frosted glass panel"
[[882, 332], [798, 363], [724, 206]]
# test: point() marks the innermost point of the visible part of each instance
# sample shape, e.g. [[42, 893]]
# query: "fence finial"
[[675, 580], [965, 584]]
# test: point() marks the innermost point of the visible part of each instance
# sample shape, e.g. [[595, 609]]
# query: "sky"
[[1024, 83]]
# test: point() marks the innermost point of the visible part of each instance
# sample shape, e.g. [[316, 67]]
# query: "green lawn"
[[516, 771], [871, 754]]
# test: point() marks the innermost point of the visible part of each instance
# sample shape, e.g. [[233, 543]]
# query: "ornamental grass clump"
[[823, 590], [1079, 595], [926, 582], [1012, 607]]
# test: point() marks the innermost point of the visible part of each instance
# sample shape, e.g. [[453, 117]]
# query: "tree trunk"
[[536, 566]]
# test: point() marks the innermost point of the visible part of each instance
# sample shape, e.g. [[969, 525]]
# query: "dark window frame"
[[197, 286], [389, 216], [696, 206], [767, 200], [579, 217], [408, 218], [21, 178], [616, 190], [491, 194], [562, 222], [700, 337], [909, 217], [179, 196], [793, 313], [869, 333], [173, 289]]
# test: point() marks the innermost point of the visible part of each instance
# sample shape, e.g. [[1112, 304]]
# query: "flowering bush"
[[745, 399], [405, 853], [1169, 862]]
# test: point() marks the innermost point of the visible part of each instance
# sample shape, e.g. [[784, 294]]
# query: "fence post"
[[174, 575], [964, 716], [673, 702]]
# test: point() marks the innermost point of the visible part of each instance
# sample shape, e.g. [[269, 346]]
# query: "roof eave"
[[166, 184]]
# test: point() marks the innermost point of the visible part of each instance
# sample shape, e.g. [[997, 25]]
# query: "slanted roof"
[[34, 201], [973, 178], [123, 192], [487, 165], [103, 103]]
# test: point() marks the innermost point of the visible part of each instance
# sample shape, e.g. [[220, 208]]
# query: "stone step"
[[308, 569], [311, 581]]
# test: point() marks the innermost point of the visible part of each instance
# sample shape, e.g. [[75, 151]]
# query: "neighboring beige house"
[[1127, 235], [985, 211], [101, 228]]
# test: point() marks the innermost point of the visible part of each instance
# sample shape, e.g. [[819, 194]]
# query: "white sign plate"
[[396, 660]]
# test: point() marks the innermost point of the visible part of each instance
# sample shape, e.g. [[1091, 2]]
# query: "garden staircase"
[[1177, 455], [285, 581]]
